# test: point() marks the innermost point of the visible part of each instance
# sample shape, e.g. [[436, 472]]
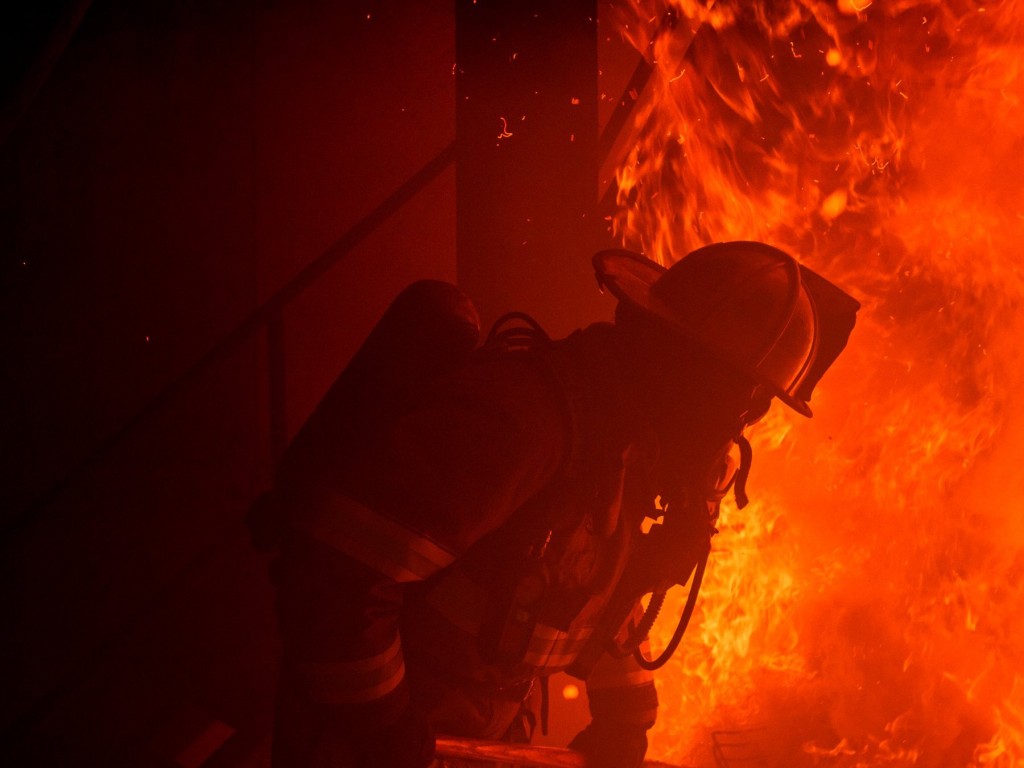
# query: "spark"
[[505, 132]]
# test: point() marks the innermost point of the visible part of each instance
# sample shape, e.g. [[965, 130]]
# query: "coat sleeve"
[[415, 497]]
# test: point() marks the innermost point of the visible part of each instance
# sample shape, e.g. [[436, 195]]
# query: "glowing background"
[[866, 608]]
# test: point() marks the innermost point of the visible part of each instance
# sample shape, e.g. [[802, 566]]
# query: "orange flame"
[[867, 609]]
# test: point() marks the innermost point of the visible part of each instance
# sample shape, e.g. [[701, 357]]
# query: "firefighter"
[[455, 522]]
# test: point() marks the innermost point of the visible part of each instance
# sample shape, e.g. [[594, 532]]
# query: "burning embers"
[[867, 608]]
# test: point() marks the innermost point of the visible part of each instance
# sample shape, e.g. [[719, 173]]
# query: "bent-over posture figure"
[[456, 521]]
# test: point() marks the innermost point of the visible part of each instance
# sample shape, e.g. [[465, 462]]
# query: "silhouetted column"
[[526, 136]]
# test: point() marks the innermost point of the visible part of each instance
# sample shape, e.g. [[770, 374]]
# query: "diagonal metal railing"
[[268, 314], [261, 317], [43, 63]]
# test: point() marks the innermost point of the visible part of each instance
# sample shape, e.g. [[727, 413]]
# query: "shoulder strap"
[[585, 369]]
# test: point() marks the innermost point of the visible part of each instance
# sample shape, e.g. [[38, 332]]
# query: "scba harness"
[[675, 548]]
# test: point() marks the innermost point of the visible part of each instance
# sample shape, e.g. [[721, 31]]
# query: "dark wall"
[[204, 207], [182, 163]]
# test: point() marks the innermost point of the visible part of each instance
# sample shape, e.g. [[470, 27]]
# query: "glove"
[[406, 743], [611, 744]]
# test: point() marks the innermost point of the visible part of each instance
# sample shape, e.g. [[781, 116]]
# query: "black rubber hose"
[[684, 620], [637, 635], [649, 617]]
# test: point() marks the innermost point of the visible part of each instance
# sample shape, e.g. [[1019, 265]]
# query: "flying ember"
[[869, 611]]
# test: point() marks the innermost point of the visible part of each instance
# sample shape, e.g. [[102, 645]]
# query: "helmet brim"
[[629, 277]]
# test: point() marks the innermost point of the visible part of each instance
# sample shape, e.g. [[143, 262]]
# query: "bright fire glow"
[[867, 608]]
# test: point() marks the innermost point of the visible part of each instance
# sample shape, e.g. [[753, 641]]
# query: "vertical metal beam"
[[527, 158]]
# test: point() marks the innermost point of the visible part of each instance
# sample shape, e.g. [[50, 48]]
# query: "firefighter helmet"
[[749, 304]]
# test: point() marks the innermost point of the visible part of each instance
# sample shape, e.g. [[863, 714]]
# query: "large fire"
[[866, 608]]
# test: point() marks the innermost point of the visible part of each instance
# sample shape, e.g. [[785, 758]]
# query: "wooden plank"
[[522, 755]]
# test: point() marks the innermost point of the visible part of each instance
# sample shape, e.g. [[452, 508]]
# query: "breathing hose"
[[650, 616], [684, 620]]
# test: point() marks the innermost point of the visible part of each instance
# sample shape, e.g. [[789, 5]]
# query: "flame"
[[867, 608]]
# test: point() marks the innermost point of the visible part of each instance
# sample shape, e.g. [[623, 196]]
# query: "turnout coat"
[[445, 549]]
